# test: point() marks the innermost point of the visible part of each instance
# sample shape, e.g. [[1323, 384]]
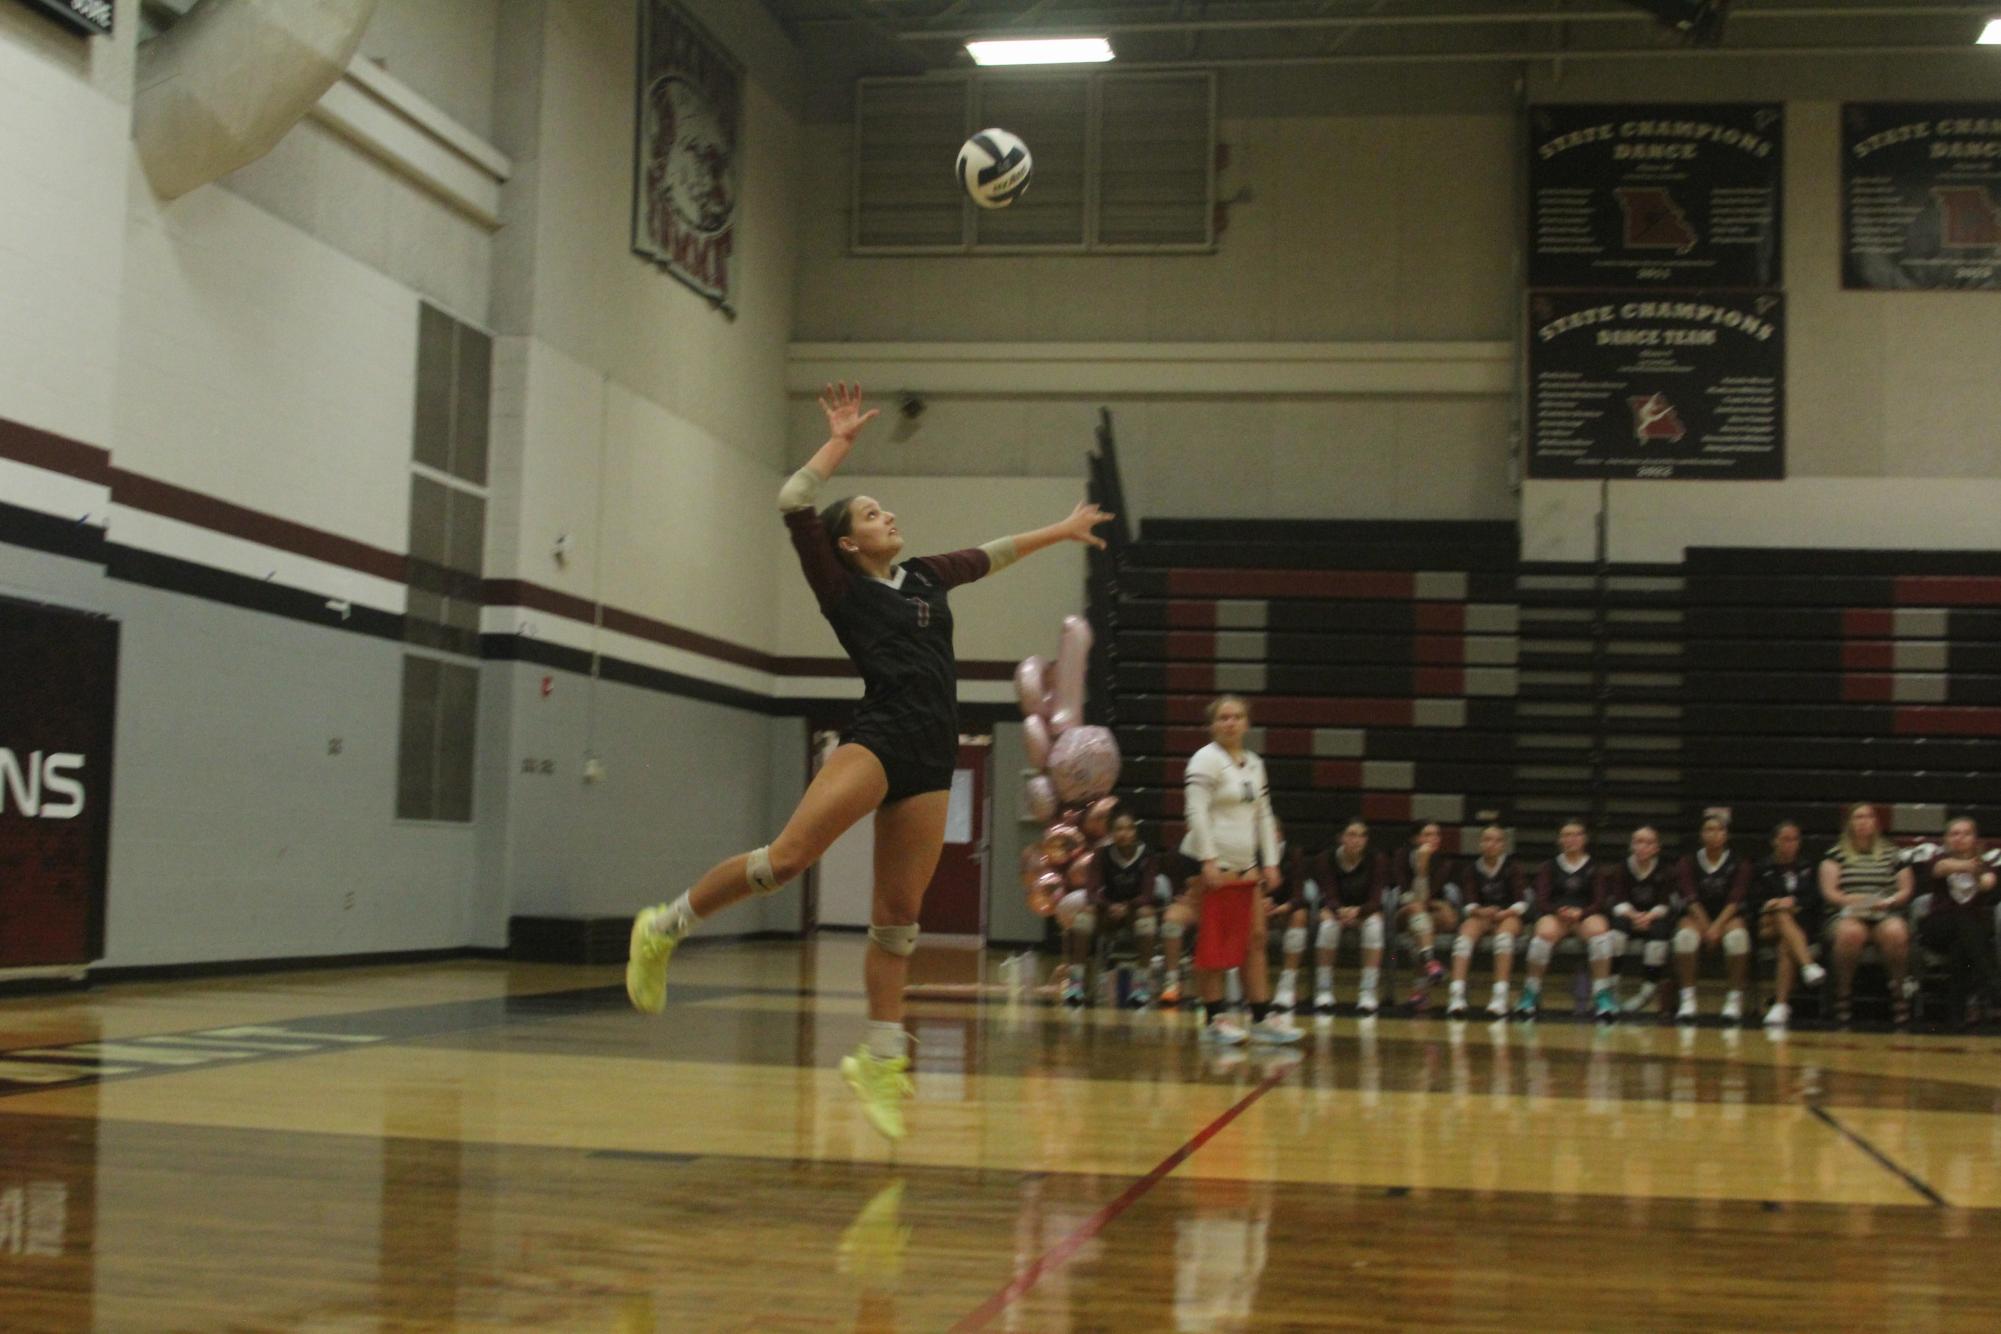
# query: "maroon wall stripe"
[[1441, 617], [1861, 623], [1343, 774], [1439, 681], [1386, 805], [1924, 720], [55, 453], [220, 516], [1191, 615], [1439, 648], [1857, 688]]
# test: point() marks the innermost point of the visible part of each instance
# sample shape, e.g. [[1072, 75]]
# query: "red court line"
[[1060, 1254]]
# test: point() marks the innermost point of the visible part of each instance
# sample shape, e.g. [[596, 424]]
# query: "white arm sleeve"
[[1198, 786], [799, 490], [1267, 822], [1000, 554]]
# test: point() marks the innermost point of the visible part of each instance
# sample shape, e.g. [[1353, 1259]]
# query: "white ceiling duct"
[[224, 84]]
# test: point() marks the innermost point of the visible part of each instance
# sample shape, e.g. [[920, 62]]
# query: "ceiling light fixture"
[[1040, 51]]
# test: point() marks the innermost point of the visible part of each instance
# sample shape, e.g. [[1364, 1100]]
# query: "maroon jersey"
[[1626, 887], [1122, 881], [1438, 877], [1714, 887], [898, 633], [1357, 886], [1558, 886], [1501, 887]]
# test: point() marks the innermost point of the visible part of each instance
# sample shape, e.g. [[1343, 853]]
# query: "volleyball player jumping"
[[896, 757]]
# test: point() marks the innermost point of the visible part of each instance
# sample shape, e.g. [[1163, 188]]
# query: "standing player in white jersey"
[[1233, 835]]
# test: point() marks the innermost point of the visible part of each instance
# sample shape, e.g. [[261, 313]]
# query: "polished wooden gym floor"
[[490, 1146]]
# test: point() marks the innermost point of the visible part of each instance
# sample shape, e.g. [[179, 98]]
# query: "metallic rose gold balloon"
[[1042, 895], [1084, 763]]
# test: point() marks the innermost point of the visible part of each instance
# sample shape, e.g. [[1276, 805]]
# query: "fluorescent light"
[[1040, 51], [1991, 34]]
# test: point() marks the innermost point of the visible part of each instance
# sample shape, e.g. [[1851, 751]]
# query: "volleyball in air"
[[994, 166]]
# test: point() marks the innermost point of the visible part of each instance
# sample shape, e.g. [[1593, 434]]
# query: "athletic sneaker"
[[1434, 972], [1813, 975], [882, 1086], [1733, 1008], [1456, 1008], [1685, 1011], [1137, 998], [1225, 1032], [1497, 1004], [1170, 995], [646, 962], [1365, 1005], [1604, 1005], [1282, 999], [1273, 1032], [1324, 1002], [1779, 1015], [1073, 994], [1641, 999], [1530, 1002]]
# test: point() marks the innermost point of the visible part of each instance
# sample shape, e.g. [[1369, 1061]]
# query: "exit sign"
[[85, 16]]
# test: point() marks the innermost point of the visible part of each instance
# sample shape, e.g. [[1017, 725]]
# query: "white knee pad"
[[1328, 937], [1736, 941], [899, 939], [1539, 951], [757, 868], [1686, 941], [1619, 941], [1504, 943], [1172, 930], [1372, 933], [1084, 922], [1462, 948], [1295, 939], [1655, 953], [1146, 928], [1600, 946], [1422, 926]]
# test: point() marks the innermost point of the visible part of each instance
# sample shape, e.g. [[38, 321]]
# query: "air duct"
[[221, 87]]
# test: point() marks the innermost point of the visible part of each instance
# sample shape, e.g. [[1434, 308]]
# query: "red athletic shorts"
[[1224, 932]]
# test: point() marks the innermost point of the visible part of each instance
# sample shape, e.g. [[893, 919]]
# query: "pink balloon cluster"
[[1073, 768]]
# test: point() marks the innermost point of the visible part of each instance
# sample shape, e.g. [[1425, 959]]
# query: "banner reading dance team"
[[1668, 196], [1657, 385], [685, 178], [1921, 195], [55, 783]]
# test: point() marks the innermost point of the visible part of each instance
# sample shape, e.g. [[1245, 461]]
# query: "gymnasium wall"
[[1353, 276]]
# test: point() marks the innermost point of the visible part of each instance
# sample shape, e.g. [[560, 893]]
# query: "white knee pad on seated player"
[[1736, 941], [899, 939], [1686, 941], [1145, 927], [1600, 946], [1085, 921], [1504, 942], [1655, 954], [1539, 951], [1462, 948], [1328, 937], [757, 869], [1372, 933], [1295, 939], [1620, 940], [1421, 925], [1172, 930]]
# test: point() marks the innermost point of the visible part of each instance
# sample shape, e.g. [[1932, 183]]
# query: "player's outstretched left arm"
[[1005, 551]]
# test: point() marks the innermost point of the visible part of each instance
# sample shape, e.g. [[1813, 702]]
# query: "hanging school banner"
[[55, 783], [687, 167], [1921, 195], [1655, 196], [1657, 385]]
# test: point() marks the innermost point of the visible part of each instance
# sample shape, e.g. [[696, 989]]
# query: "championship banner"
[[1669, 196], [55, 783], [1921, 195], [686, 170], [1657, 385]]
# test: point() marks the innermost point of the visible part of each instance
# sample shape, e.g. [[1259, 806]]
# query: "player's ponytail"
[[838, 520]]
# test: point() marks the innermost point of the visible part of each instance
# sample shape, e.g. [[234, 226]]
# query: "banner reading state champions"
[[1921, 195], [1656, 384], [1651, 195]]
